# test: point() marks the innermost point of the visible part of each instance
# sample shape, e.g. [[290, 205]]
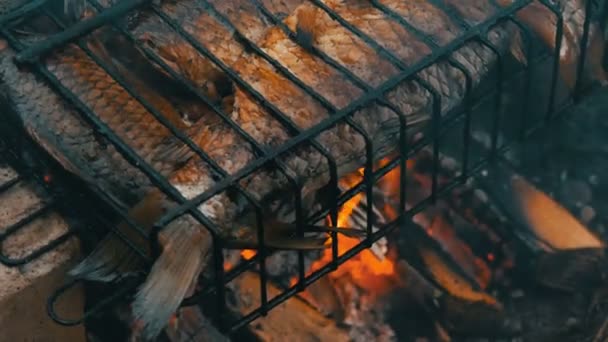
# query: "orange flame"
[[227, 266], [365, 269], [248, 253]]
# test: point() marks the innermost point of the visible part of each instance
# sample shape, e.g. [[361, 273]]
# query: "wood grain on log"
[[193, 326], [293, 320]]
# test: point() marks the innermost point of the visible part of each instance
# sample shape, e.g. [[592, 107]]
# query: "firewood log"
[[293, 320]]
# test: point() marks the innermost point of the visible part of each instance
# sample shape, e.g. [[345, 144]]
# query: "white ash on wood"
[[191, 325], [293, 320]]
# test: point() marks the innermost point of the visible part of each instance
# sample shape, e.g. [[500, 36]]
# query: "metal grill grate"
[[30, 55], [47, 204]]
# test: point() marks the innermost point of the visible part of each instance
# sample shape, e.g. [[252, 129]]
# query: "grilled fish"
[[249, 21], [55, 125], [185, 245], [543, 21]]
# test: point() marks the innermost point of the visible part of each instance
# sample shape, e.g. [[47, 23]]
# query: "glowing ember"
[[248, 254], [490, 257], [444, 233], [227, 266], [440, 230], [365, 269]]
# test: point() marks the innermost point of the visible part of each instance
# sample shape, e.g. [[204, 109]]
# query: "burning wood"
[[364, 285], [191, 325], [292, 320], [459, 270]]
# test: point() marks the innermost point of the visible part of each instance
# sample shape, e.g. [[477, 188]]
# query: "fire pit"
[[447, 232]]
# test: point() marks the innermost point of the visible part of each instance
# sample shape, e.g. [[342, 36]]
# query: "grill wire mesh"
[[31, 54]]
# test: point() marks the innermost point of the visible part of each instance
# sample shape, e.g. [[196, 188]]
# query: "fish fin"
[[113, 257], [279, 228], [284, 243], [350, 232], [283, 235], [176, 150], [595, 56], [572, 270], [277, 235], [305, 27], [69, 10], [299, 243], [184, 251], [440, 333], [106, 261], [517, 50]]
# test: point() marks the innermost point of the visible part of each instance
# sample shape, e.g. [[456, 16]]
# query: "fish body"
[[541, 19], [185, 244], [55, 125]]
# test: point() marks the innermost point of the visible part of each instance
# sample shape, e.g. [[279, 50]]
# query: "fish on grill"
[[543, 21], [185, 244]]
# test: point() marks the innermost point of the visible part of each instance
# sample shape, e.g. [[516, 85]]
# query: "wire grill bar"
[[80, 29], [31, 55], [6, 232], [21, 12]]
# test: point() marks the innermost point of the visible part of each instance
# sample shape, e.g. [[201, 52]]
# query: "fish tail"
[[74, 10], [183, 256], [596, 56], [517, 48], [111, 259]]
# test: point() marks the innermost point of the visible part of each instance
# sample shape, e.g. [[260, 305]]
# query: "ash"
[[365, 315]]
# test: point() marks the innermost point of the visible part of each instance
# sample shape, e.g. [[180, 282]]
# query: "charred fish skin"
[[59, 128], [157, 37], [354, 55], [203, 20], [543, 21]]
